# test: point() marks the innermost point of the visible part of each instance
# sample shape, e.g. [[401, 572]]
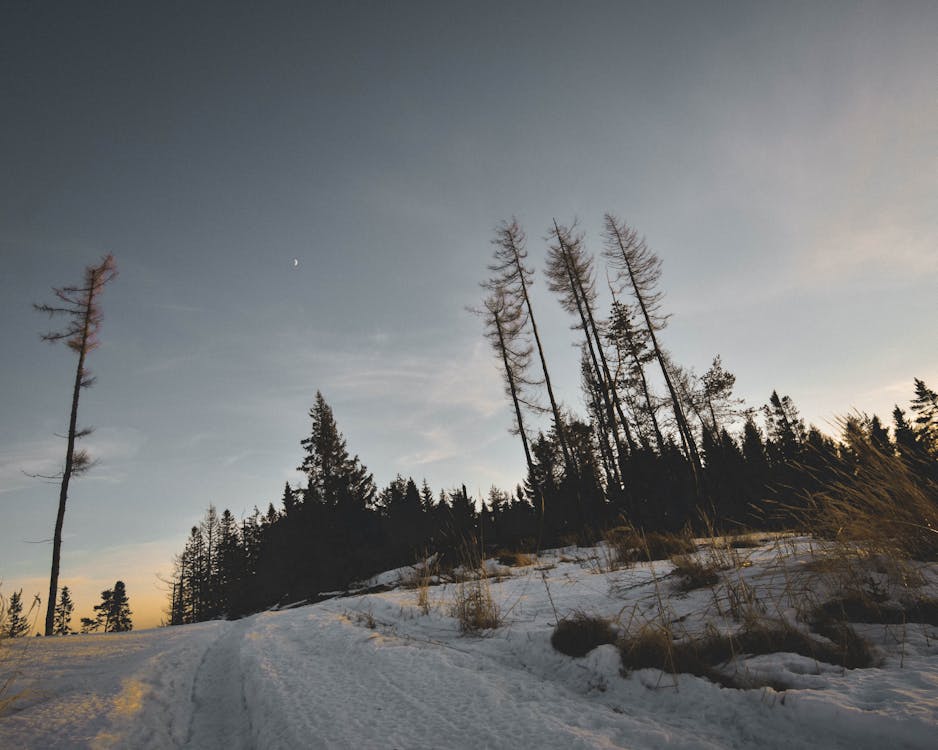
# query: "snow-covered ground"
[[375, 671]]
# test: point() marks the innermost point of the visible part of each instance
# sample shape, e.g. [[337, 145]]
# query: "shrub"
[[580, 633]]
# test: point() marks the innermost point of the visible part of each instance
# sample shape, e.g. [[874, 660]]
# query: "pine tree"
[[89, 624], [925, 407], [114, 610], [104, 610], [80, 305], [63, 613], [333, 478], [120, 609], [633, 353], [15, 624], [640, 271], [785, 430]]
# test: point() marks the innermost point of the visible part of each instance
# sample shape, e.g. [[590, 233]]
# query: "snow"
[[374, 671]]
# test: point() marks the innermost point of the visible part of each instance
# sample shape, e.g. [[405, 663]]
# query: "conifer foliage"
[[62, 624], [113, 612], [15, 624]]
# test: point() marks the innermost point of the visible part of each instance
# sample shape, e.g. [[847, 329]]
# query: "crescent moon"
[[296, 262]]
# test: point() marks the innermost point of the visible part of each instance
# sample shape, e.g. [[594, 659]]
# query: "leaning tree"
[[80, 306]]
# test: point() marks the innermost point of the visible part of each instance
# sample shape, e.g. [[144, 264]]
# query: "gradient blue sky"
[[781, 158]]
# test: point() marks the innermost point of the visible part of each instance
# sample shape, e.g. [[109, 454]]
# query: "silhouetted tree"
[[505, 322], [63, 613], [15, 624], [640, 270], [81, 307], [570, 274], [114, 610], [512, 275], [925, 408]]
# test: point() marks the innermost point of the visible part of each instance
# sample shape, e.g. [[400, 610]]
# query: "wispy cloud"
[[40, 457], [108, 446]]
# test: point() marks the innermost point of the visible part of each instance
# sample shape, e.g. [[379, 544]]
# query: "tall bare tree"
[[640, 269], [505, 322], [570, 271], [80, 305], [514, 277]]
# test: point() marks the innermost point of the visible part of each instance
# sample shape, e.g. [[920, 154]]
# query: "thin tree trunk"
[[514, 394], [558, 423], [69, 463], [604, 385], [683, 428]]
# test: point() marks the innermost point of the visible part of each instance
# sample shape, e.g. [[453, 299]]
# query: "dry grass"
[[580, 633], [424, 572], [515, 559], [474, 606], [879, 506], [626, 544], [707, 655], [693, 573]]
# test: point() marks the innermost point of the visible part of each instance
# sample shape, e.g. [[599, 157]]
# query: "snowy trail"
[[376, 672], [220, 714]]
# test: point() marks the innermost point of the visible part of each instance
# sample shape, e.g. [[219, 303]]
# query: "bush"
[[580, 633]]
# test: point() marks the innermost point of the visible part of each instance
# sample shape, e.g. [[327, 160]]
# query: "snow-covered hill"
[[375, 671]]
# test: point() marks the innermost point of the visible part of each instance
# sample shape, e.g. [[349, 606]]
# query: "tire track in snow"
[[220, 715]]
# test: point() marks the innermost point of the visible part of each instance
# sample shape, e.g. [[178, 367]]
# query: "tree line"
[[657, 447], [112, 614], [322, 538]]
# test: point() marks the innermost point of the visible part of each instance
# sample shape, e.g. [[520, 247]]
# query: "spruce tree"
[[16, 623], [120, 609], [104, 610], [89, 624], [62, 624], [333, 477], [925, 407]]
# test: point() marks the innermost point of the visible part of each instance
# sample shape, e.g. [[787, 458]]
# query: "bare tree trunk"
[[582, 308], [558, 422], [67, 472], [509, 375], [687, 437], [80, 306]]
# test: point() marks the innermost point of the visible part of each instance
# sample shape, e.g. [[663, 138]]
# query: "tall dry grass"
[[877, 503]]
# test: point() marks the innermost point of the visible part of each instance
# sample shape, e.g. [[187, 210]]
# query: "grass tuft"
[[695, 574], [580, 633]]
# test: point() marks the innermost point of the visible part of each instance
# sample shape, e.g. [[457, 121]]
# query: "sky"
[[781, 159]]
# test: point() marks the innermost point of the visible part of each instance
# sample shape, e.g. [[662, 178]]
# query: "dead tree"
[[570, 272], [514, 277], [640, 269], [81, 307], [505, 330]]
